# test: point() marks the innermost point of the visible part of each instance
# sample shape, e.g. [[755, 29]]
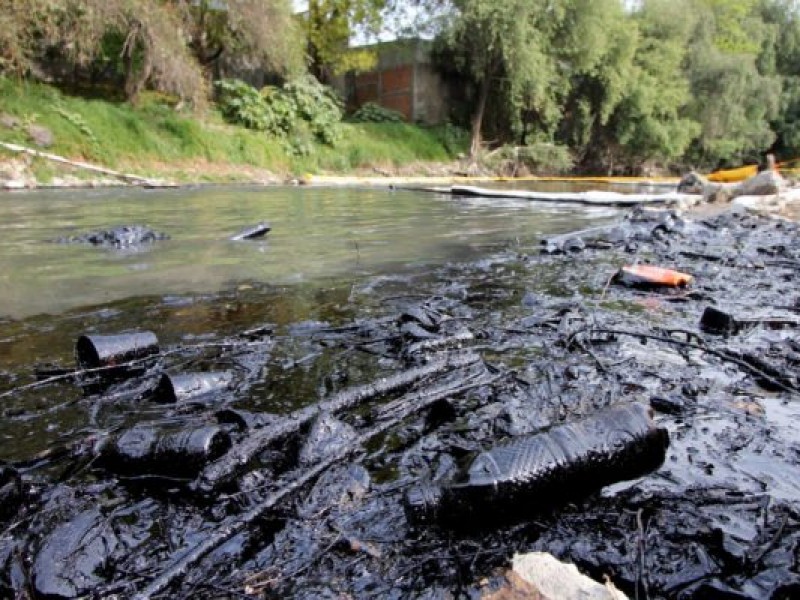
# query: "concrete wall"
[[404, 80]]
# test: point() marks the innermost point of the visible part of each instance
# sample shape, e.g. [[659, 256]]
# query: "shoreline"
[[16, 175]]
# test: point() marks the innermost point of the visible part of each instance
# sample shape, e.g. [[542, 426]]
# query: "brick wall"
[[404, 81], [392, 88]]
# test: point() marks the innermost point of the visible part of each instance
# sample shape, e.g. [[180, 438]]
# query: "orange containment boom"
[[650, 276]]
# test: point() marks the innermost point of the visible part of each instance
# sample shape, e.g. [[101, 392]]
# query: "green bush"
[[318, 105], [455, 139], [541, 157], [241, 104], [304, 104], [375, 113], [153, 139]]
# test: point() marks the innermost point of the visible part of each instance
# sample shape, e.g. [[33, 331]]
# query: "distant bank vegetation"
[[602, 86], [154, 139]]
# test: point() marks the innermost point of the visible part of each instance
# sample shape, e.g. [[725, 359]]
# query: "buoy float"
[[648, 275]]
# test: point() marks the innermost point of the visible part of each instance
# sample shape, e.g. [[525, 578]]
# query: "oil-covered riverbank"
[[419, 371]]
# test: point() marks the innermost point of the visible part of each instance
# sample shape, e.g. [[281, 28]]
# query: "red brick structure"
[[404, 80]]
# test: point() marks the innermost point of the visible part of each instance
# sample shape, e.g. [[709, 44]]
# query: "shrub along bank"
[[157, 139]]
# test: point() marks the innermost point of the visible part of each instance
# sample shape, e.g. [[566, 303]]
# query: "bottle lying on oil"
[[537, 472]]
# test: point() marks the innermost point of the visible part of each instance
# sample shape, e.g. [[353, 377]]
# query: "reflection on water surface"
[[318, 233]]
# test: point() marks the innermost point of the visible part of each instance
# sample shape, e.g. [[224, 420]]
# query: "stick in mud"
[[415, 402], [135, 179], [73, 374], [748, 362], [439, 343], [231, 464]]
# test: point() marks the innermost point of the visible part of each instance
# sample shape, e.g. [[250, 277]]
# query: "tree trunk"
[[316, 22], [477, 118]]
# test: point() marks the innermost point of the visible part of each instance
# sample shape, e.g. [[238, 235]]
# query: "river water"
[[318, 234]]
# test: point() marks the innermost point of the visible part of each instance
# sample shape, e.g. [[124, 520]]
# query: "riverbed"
[[350, 291]]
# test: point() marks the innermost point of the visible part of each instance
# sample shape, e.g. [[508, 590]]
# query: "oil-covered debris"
[[93, 351], [646, 276], [191, 387], [71, 557], [706, 542], [291, 477], [10, 491], [328, 435], [253, 232], [512, 480], [125, 236], [718, 322], [147, 450]]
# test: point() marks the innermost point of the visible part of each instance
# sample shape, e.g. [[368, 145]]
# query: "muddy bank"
[[250, 489]]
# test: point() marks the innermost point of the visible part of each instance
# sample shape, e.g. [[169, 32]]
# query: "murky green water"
[[318, 233]]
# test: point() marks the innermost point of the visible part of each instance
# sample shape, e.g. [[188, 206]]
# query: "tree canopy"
[[329, 26], [167, 44], [619, 84], [704, 81]]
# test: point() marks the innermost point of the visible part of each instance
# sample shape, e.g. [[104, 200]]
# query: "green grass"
[[155, 138], [367, 144]]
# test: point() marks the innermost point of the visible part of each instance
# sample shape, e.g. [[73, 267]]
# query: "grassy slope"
[[154, 139]]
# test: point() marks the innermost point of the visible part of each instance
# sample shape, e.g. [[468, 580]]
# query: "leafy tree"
[[24, 26], [329, 26], [146, 34], [162, 43], [555, 69], [503, 49], [596, 44], [252, 33], [784, 56], [416, 18], [154, 50], [733, 99], [736, 25], [648, 122]]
